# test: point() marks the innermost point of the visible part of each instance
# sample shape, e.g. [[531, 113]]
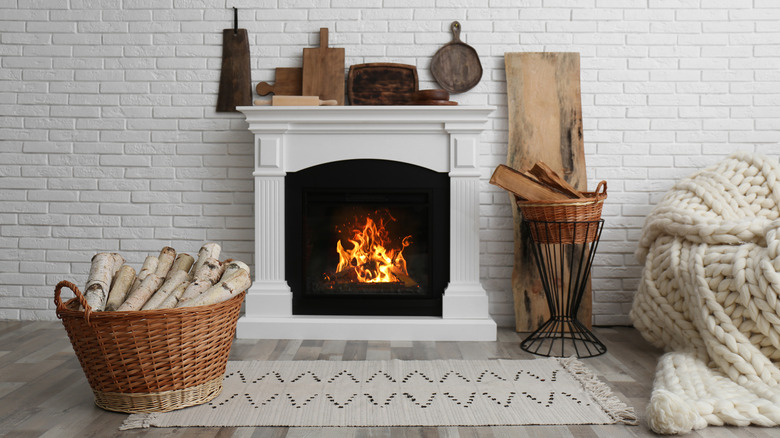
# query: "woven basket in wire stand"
[[571, 221]]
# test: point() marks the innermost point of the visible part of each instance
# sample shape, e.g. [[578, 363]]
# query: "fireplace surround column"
[[443, 139]]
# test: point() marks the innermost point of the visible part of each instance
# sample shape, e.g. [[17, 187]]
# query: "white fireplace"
[[440, 138]]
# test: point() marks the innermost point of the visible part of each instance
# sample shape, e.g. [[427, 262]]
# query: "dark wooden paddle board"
[[323, 71], [545, 124], [456, 66], [235, 81]]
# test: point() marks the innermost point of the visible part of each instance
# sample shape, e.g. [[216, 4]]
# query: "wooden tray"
[[381, 83]]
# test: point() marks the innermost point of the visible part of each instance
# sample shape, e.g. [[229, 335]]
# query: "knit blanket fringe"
[[709, 294]]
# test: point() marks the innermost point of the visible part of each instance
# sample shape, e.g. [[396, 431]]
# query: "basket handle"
[[601, 189], [79, 296]]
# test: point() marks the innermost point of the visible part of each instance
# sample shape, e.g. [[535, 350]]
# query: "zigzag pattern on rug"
[[403, 393]]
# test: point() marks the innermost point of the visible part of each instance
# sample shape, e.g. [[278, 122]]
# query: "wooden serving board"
[[381, 83], [235, 81], [323, 71], [288, 82], [456, 66], [545, 124]]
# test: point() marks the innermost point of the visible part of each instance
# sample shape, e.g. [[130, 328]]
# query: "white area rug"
[[402, 393]]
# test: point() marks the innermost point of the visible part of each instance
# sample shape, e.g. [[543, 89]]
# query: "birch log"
[[205, 277], [149, 266], [166, 257], [173, 298], [171, 283], [227, 288], [137, 298], [232, 267], [104, 267], [183, 262], [120, 287], [209, 250]]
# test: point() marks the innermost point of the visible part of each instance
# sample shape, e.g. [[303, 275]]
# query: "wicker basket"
[[151, 360], [574, 220]]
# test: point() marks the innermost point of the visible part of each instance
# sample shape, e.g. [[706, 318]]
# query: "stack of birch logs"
[[165, 281]]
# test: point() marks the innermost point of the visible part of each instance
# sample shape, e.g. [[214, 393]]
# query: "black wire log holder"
[[563, 252]]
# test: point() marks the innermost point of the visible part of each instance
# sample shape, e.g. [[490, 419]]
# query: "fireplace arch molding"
[[408, 199]]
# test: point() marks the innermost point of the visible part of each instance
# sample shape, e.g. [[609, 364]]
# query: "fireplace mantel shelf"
[[441, 138]]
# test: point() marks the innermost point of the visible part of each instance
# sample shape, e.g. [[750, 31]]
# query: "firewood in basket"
[[209, 273], [227, 288], [230, 269], [523, 186], [149, 266], [171, 283], [166, 257], [207, 251], [104, 266], [183, 262], [551, 178], [120, 287], [137, 298], [174, 297]]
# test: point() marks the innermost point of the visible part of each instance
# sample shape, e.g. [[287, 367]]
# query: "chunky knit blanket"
[[709, 296]]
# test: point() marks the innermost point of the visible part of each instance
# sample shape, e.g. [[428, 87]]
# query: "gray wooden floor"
[[43, 391]]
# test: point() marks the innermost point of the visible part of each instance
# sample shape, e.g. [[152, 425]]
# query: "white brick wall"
[[110, 140]]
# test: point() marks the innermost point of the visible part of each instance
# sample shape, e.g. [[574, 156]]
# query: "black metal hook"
[[235, 20]]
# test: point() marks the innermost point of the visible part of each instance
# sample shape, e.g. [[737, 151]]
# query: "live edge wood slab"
[[545, 124]]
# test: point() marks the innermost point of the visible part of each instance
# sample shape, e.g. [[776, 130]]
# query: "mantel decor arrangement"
[[320, 81], [166, 344]]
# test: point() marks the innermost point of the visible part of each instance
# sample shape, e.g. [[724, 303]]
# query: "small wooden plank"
[[323, 71], [545, 124], [288, 82]]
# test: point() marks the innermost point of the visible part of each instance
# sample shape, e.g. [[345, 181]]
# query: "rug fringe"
[[601, 392], [137, 421]]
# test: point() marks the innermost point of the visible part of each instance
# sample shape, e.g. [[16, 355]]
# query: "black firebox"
[[367, 237]]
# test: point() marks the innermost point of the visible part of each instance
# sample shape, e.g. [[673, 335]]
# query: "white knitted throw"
[[709, 296]]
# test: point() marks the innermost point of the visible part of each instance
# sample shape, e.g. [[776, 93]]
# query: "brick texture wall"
[[110, 140]]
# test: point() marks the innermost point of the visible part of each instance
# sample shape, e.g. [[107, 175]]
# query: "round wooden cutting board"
[[456, 65]]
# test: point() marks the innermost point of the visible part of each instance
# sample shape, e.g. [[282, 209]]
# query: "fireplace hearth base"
[[442, 139]]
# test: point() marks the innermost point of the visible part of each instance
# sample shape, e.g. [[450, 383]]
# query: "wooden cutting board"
[[235, 81], [323, 71], [456, 66], [381, 83], [288, 82], [545, 124]]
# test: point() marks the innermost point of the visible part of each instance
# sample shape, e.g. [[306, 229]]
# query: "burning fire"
[[370, 259]]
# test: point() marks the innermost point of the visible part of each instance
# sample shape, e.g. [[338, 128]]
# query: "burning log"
[[403, 277]]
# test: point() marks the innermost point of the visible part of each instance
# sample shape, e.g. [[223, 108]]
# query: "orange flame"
[[369, 257]]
